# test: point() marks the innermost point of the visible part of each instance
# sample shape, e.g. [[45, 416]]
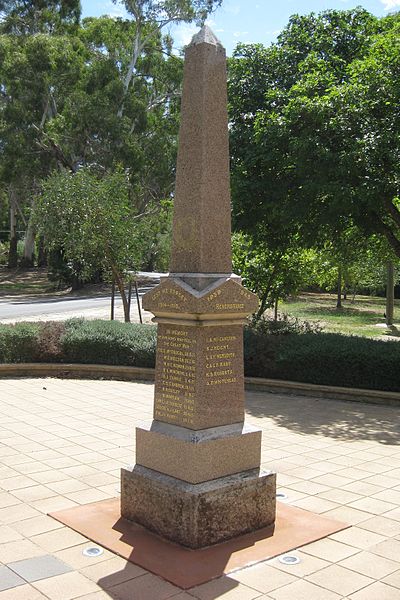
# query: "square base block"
[[209, 453], [198, 515]]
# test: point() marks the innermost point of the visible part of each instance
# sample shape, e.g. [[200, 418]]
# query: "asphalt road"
[[19, 308]]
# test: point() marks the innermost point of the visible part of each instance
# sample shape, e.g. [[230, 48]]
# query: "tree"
[[314, 144], [149, 18], [20, 17], [271, 273], [91, 218], [59, 106], [33, 67]]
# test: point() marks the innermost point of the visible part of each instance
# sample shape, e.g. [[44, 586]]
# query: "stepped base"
[[198, 515]]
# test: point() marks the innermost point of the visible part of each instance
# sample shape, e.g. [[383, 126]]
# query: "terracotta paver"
[[62, 444]]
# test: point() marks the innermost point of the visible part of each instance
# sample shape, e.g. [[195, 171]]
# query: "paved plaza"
[[62, 444]]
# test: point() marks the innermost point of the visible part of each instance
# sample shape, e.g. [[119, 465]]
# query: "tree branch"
[[54, 149], [384, 228], [393, 211]]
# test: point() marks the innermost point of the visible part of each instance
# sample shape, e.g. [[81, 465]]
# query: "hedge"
[[109, 343], [19, 343], [322, 358]]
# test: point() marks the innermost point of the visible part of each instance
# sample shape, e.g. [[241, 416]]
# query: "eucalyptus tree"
[[102, 92], [31, 58], [313, 125]]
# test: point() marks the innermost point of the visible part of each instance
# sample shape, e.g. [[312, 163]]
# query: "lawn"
[[24, 281], [364, 316]]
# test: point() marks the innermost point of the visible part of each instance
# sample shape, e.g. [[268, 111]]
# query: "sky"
[[249, 21]]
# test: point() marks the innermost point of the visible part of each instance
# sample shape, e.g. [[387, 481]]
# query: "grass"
[[24, 282], [360, 317]]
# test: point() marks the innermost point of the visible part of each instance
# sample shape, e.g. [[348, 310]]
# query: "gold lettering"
[[229, 306]]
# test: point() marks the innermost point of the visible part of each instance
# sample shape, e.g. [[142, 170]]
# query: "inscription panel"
[[221, 373], [199, 375], [176, 375]]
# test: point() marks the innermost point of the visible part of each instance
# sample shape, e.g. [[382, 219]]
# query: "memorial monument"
[[197, 478]]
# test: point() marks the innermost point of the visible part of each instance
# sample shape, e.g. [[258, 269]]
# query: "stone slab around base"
[[209, 453], [101, 522], [202, 514]]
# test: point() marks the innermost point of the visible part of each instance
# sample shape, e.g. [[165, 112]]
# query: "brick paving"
[[62, 444]]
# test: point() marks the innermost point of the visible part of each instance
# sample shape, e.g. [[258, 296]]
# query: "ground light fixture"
[[92, 551], [289, 559]]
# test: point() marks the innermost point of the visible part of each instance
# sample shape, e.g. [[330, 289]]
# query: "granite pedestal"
[[197, 478]]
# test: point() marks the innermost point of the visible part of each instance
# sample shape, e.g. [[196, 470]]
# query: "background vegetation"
[[89, 117], [294, 350]]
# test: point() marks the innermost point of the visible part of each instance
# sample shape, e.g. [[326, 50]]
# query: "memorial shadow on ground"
[[337, 419], [146, 588], [183, 568]]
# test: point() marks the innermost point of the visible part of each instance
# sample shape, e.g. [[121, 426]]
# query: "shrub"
[[284, 325], [335, 359], [259, 353], [330, 359], [109, 342], [19, 342], [49, 341]]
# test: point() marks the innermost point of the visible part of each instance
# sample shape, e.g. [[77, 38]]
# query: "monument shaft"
[[201, 240], [197, 478]]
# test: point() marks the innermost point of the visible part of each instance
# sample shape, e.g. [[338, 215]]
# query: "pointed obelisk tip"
[[205, 36]]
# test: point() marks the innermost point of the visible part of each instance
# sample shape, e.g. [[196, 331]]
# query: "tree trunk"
[[390, 294], [276, 309], [120, 284], [76, 281], [42, 254], [112, 299], [339, 289], [263, 305], [12, 254], [29, 245]]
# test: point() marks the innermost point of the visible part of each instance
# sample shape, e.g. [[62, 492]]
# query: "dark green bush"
[[109, 343], [330, 359], [335, 359], [259, 353], [19, 342], [326, 358]]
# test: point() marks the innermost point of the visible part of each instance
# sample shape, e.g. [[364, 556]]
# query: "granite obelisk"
[[197, 478]]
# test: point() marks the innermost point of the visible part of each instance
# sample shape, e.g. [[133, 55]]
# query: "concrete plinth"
[[198, 515], [209, 453]]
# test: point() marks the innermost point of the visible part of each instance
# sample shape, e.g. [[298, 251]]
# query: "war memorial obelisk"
[[197, 478]]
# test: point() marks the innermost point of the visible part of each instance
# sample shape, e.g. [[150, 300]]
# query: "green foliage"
[[91, 218], [270, 272], [161, 12], [18, 343], [109, 342], [314, 131], [333, 359], [3, 253], [327, 359], [284, 325], [362, 262], [21, 17], [99, 93]]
